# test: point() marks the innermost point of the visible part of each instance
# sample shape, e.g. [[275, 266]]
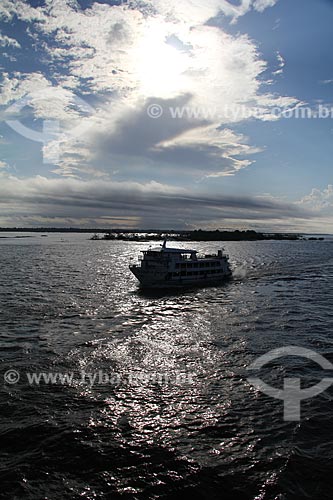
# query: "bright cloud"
[[320, 200], [128, 55], [6, 41], [261, 5]]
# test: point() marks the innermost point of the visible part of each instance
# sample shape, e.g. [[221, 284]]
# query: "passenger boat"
[[164, 267]]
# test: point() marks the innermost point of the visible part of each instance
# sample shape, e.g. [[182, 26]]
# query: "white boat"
[[164, 267]]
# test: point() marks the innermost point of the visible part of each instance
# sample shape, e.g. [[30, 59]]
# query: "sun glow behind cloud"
[[125, 56], [122, 58], [160, 66]]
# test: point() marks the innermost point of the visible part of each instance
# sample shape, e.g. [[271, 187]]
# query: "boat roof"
[[170, 250]]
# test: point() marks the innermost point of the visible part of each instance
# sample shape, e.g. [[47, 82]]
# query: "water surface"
[[70, 305]]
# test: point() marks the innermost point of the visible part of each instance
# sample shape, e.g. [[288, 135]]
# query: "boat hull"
[[156, 280]]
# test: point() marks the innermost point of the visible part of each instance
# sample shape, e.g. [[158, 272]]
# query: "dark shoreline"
[[159, 235]]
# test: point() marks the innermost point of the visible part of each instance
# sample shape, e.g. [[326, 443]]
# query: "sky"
[[167, 114]]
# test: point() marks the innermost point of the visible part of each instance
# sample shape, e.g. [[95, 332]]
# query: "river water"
[[149, 397]]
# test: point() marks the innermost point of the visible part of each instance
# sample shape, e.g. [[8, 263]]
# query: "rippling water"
[[70, 305]]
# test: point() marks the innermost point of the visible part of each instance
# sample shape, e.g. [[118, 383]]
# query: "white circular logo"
[[292, 394], [11, 377], [51, 128], [154, 111]]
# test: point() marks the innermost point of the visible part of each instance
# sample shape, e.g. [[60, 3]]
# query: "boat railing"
[[202, 256], [222, 255]]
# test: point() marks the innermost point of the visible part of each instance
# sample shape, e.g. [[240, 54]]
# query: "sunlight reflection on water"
[[73, 305]]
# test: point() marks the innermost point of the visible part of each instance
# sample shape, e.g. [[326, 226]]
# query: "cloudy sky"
[[167, 114]]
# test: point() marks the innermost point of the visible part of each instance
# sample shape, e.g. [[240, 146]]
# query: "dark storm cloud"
[[151, 202]]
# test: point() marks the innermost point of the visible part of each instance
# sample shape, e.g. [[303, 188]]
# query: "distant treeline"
[[160, 234], [198, 235]]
